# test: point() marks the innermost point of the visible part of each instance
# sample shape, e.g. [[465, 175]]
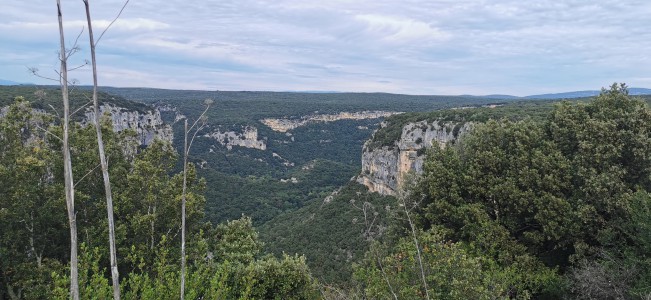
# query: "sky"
[[442, 47]]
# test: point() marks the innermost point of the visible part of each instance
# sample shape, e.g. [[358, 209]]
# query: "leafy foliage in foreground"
[[233, 273], [550, 208], [223, 260]]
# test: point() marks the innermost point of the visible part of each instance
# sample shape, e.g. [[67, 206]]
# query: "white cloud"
[[137, 24], [400, 30], [410, 46]]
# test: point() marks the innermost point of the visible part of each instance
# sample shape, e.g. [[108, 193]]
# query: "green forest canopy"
[[542, 207]]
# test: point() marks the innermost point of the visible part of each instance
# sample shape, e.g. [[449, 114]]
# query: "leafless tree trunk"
[[32, 248], [403, 199], [102, 158], [370, 236], [185, 178], [186, 151], [67, 163], [384, 275], [152, 213]]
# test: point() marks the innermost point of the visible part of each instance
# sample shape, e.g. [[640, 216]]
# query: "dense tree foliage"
[[539, 200], [389, 134], [223, 260], [549, 207], [332, 231], [32, 211], [48, 98], [334, 145]]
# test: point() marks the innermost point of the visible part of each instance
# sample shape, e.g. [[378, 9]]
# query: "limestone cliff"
[[247, 138], [384, 169], [148, 125], [284, 125]]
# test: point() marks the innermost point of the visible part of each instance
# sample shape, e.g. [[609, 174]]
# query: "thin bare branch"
[[111, 24], [195, 134], [55, 111], [201, 118], [402, 197], [78, 109], [89, 172], [186, 152], [79, 67], [369, 237], [48, 132], [71, 83], [74, 49], [36, 73], [384, 275]]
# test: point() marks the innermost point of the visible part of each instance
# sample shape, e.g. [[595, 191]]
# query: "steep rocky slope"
[[385, 168], [148, 124], [248, 138]]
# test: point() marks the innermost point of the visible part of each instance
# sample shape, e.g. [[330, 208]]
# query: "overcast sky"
[[411, 46]]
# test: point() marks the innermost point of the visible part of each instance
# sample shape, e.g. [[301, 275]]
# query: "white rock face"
[[247, 138], [284, 125], [148, 126], [384, 169]]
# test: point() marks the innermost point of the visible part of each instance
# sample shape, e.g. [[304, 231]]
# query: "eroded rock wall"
[[284, 125], [148, 125], [247, 138], [385, 169]]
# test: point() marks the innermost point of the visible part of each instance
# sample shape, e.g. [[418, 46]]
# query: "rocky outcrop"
[[284, 161], [168, 109], [148, 125], [384, 169], [284, 125], [248, 138]]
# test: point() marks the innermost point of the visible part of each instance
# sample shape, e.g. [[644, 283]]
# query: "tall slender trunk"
[[384, 275], [32, 246], [102, 158], [67, 164], [185, 178], [152, 227], [186, 152], [417, 245]]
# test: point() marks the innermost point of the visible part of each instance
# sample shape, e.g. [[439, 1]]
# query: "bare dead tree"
[[186, 151], [371, 231], [67, 162], [403, 195], [115, 276]]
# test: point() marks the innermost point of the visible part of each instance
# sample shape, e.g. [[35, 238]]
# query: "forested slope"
[[529, 209], [536, 200], [224, 261], [244, 180]]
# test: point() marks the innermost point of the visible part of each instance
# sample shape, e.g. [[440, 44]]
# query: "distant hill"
[[8, 82], [582, 94], [564, 95], [494, 96]]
